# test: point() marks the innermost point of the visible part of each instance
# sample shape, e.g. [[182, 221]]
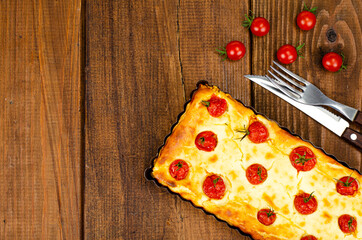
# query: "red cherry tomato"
[[214, 187], [303, 159], [256, 174], [259, 26], [234, 50], [309, 237], [215, 106], [306, 20], [179, 169], [347, 185], [206, 141], [258, 133], [347, 223], [287, 54], [333, 62], [266, 216], [305, 203]]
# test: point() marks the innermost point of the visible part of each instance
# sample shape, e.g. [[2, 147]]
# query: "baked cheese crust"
[[242, 200]]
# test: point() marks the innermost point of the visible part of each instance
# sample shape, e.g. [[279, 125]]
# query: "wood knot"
[[330, 38], [331, 35]]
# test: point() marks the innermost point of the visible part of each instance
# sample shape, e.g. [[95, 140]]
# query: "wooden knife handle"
[[353, 137], [358, 118]]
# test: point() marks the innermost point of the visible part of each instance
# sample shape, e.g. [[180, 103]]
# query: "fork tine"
[[288, 79], [291, 74], [281, 82], [286, 92], [285, 85]]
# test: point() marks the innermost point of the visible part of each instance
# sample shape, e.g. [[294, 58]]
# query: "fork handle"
[[353, 137], [347, 111], [358, 118]]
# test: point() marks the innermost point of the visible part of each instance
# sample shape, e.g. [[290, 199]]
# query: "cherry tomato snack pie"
[[256, 176]]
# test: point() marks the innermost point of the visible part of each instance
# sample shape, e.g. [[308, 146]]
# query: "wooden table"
[[89, 90]]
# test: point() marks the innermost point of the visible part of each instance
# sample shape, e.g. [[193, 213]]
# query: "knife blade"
[[334, 123]]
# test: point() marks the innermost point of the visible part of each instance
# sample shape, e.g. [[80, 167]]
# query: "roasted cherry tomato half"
[[333, 62], [256, 174], [206, 141], [215, 106], [214, 186], [258, 26], [287, 54], [266, 216], [306, 19], [347, 223], [309, 237], [179, 169], [234, 50], [257, 132], [347, 185], [303, 159], [305, 203]]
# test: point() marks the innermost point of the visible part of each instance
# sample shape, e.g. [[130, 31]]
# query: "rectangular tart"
[[247, 171]]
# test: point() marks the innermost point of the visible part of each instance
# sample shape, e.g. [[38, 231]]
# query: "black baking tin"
[[148, 170]]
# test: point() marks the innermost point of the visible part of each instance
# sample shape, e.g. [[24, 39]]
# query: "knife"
[[331, 121]]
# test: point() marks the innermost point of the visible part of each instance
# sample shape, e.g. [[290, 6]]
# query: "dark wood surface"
[[89, 90]]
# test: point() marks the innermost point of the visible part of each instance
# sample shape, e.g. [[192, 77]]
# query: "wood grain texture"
[[205, 26], [143, 60], [345, 87], [40, 121], [134, 94]]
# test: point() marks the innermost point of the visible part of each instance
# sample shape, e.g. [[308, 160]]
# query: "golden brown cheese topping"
[[249, 172]]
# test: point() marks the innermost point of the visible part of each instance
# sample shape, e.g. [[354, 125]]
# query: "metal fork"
[[307, 93]]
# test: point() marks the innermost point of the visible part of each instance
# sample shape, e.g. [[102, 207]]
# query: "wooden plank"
[[140, 69], [40, 120], [203, 27], [134, 94], [345, 87]]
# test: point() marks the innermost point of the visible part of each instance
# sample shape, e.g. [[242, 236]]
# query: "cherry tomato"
[[347, 185], [287, 54], [266, 216], [234, 50], [306, 19], [305, 203], [179, 169], [206, 141], [309, 237], [303, 159], [259, 26], [258, 133], [256, 174], [347, 223], [214, 186], [215, 106], [333, 62]]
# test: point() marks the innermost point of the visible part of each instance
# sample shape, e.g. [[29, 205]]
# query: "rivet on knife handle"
[[353, 137]]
